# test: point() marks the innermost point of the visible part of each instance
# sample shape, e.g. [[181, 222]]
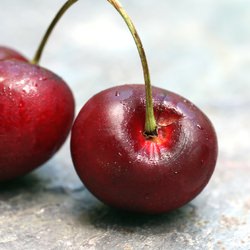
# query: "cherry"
[[150, 169], [125, 168], [36, 112], [37, 109], [8, 53]]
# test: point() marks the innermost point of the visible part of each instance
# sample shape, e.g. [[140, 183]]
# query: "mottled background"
[[197, 48]]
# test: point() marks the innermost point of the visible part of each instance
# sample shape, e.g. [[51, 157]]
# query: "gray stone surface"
[[200, 49]]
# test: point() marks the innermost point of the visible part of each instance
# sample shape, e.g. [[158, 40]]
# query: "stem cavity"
[[59, 14], [150, 123]]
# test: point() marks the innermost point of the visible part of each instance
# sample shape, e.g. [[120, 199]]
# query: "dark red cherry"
[[124, 168], [36, 113], [36, 109], [8, 53]]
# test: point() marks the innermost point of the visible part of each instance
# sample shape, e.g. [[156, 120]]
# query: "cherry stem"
[[150, 122], [45, 38]]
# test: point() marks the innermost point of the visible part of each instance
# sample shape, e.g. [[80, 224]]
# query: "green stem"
[[59, 14], [150, 123]]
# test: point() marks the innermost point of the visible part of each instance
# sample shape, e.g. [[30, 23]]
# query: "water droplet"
[[176, 172], [42, 78], [4, 89], [117, 93], [199, 126]]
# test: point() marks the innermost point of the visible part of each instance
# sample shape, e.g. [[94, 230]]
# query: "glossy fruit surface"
[[8, 53], [36, 113], [124, 169]]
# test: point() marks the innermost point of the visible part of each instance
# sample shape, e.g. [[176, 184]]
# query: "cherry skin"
[[127, 170], [8, 53], [36, 113]]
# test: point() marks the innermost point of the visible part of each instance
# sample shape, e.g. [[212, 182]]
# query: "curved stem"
[[150, 123], [59, 14]]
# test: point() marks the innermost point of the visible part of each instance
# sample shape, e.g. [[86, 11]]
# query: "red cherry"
[[36, 110], [36, 113], [140, 148], [7, 53], [124, 168]]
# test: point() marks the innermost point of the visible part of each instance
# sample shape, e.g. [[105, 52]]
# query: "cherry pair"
[[135, 147]]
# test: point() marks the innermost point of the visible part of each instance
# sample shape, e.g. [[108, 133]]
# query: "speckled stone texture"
[[199, 49]]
